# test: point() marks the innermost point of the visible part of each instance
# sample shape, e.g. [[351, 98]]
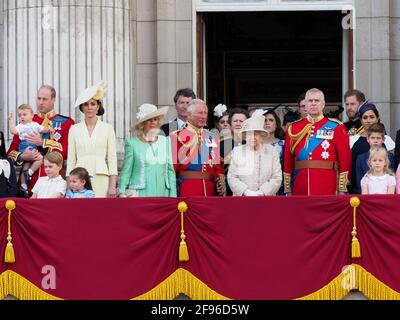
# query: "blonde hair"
[[139, 128], [56, 158], [376, 153], [25, 107]]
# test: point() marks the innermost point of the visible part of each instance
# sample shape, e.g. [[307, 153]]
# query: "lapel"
[[91, 139]]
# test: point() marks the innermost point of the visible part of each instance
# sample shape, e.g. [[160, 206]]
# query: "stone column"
[[395, 64], [164, 50], [71, 45], [373, 55]]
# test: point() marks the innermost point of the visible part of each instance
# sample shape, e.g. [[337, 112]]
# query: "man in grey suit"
[[182, 99]]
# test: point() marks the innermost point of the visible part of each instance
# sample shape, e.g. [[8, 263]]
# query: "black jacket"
[[170, 127], [8, 187]]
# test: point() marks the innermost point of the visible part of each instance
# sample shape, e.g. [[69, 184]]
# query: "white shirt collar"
[[5, 167], [59, 178], [181, 123]]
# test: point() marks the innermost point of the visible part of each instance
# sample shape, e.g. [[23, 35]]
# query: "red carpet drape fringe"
[[207, 248]]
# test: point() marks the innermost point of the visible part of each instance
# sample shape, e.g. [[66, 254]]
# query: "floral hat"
[[96, 92], [148, 111], [219, 110]]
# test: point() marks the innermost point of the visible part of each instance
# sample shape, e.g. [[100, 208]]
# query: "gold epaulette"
[[14, 156], [51, 144], [360, 130], [335, 120]]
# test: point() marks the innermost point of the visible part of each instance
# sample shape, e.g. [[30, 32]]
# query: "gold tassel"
[[9, 256], [355, 244], [183, 252], [183, 249]]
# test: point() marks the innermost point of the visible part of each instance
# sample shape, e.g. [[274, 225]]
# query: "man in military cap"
[[317, 152]]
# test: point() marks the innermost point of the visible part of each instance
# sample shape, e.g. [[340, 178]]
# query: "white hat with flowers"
[[96, 92], [149, 111]]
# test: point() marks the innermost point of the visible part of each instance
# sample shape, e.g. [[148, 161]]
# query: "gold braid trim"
[[193, 143], [181, 282], [360, 130], [51, 144], [287, 180], [47, 116], [295, 139], [354, 277], [343, 181], [12, 284], [14, 156]]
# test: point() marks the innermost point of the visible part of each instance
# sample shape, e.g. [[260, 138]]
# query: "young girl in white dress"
[[379, 179]]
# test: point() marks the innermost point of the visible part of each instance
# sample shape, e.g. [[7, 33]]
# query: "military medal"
[[57, 126], [57, 136], [326, 145], [211, 143], [211, 162], [325, 154]]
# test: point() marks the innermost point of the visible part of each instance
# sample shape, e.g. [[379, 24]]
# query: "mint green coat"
[[148, 168]]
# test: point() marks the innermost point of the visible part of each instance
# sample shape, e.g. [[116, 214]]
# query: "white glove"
[[249, 193]]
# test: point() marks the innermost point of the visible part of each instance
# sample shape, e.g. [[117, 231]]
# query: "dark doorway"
[[268, 58]]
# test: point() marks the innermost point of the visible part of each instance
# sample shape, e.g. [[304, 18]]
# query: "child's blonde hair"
[[376, 153], [25, 107], [56, 158]]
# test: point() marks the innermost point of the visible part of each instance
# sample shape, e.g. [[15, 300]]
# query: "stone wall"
[[164, 50], [377, 54]]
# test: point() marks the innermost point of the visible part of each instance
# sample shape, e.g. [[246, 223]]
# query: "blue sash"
[[314, 142]]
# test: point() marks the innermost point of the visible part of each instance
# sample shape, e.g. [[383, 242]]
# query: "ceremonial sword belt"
[[317, 164], [194, 175]]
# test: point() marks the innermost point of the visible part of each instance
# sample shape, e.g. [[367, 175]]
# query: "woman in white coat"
[[92, 144], [255, 168]]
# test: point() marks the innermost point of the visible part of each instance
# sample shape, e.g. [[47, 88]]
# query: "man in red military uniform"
[[56, 141], [317, 157], [196, 155]]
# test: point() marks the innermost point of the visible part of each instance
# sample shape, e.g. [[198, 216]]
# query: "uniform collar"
[[180, 123], [47, 115], [315, 120], [193, 128]]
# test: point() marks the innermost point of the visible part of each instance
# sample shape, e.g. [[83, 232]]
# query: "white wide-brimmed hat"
[[96, 92], [148, 111], [255, 123]]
